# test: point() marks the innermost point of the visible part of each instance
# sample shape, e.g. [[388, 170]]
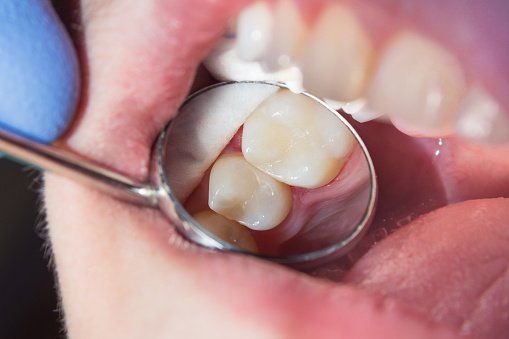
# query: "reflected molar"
[[240, 192], [481, 118], [202, 130], [419, 85], [228, 230], [254, 31], [295, 142], [288, 36], [338, 58]]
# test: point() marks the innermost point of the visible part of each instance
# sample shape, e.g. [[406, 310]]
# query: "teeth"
[[418, 85], [254, 31], [288, 37], [204, 127], [295, 140], [481, 118], [338, 56], [241, 192], [226, 229]]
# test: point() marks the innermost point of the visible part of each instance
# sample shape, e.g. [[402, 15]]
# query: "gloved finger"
[[39, 72]]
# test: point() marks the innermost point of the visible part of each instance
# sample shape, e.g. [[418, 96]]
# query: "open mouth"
[[435, 259]]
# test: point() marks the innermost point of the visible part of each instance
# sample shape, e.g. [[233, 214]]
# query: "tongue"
[[451, 264]]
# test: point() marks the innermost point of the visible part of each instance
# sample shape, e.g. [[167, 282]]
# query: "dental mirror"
[[249, 167]]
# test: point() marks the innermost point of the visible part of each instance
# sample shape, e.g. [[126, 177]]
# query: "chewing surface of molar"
[[295, 140], [481, 118], [240, 192], [419, 85], [226, 229], [338, 57], [204, 127]]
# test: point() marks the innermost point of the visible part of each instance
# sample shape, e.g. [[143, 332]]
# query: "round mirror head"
[[256, 168]]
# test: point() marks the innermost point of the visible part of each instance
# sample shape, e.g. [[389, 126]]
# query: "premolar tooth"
[[254, 31], [226, 229], [240, 192], [289, 32], [295, 140], [481, 118], [419, 85], [338, 58]]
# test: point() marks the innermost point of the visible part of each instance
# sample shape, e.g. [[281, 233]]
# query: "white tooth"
[[288, 38], [225, 65], [419, 85], [204, 127], [338, 58], [241, 192], [226, 229], [296, 140], [481, 118], [254, 29]]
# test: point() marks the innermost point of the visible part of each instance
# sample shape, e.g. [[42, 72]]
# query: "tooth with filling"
[[288, 36], [240, 192], [481, 118], [295, 140], [254, 31], [419, 85], [226, 229], [204, 127], [338, 57]]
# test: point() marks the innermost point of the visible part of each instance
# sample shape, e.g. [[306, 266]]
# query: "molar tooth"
[[419, 85], [481, 118], [254, 31], [226, 229], [338, 58], [240, 192], [289, 32], [204, 127], [295, 140]]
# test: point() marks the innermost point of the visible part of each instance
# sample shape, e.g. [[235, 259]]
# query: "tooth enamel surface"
[[254, 31], [419, 85], [240, 192], [226, 229], [295, 140], [204, 127], [338, 56], [481, 118], [288, 38]]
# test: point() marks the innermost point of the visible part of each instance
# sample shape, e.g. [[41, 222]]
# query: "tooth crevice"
[[241, 192]]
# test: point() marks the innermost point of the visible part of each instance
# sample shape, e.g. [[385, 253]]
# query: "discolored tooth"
[[338, 57], [288, 37], [419, 85], [254, 31], [481, 118], [295, 140], [226, 229], [240, 192]]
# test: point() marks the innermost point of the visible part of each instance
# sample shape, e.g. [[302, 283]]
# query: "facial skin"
[[123, 271]]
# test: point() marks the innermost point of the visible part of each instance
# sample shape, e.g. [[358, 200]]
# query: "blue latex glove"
[[39, 72]]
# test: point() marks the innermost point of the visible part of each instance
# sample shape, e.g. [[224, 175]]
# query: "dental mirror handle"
[[64, 163]]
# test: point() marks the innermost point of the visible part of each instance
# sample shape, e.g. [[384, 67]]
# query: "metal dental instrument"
[[158, 192]]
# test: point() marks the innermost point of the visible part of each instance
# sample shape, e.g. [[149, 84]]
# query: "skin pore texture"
[[123, 271]]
